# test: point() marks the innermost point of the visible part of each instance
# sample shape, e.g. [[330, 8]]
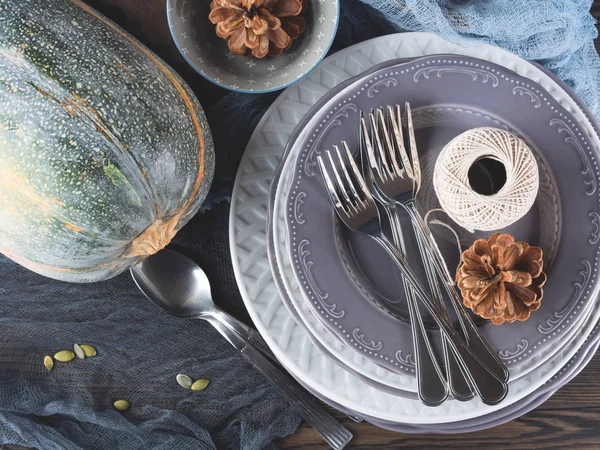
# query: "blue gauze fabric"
[[140, 349]]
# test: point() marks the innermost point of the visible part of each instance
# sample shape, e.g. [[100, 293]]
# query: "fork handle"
[[459, 384], [334, 433], [490, 389], [432, 387], [431, 384], [457, 381], [474, 338]]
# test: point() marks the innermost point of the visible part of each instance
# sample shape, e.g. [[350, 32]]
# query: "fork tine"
[[362, 163], [366, 140], [416, 166], [362, 149], [350, 183], [394, 167], [379, 147], [340, 183], [382, 128], [331, 189], [358, 176], [396, 122]]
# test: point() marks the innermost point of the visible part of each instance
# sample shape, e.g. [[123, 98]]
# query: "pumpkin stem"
[[154, 238]]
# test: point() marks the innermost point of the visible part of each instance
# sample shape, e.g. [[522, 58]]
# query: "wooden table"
[[570, 419]]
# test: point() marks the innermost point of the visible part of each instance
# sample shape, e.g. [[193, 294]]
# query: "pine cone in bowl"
[[260, 27], [501, 279]]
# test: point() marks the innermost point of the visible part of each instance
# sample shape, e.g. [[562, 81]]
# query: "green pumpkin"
[[105, 153]]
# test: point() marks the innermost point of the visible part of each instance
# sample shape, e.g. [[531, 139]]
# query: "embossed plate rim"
[[328, 343], [308, 234], [324, 335], [282, 334]]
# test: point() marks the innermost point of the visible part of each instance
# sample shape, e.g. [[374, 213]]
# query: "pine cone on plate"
[[501, 279], [260, 27]]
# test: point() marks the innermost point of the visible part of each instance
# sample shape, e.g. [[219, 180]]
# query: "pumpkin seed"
[[48, 362], [88, 350], [200, 384], [79, 351], [184, 381], [121, 405], [64, 356]]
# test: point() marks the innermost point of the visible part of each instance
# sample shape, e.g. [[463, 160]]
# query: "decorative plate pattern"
[[321, 337], [341, 275], [320, 334], [249, 212]]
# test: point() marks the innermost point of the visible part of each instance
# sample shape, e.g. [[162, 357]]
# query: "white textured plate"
[[564, 376], [248, 241]]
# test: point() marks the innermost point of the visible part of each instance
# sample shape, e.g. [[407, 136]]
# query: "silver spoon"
[[180, 287]]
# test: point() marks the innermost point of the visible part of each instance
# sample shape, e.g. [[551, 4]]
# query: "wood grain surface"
[[568, 420]]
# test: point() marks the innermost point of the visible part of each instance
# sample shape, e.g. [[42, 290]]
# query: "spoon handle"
[[254, 338], [334, 433], [247, 332]]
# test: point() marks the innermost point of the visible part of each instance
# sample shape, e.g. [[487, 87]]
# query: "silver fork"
[[378, 165], [357, 209], [432, 386], [401, 184]]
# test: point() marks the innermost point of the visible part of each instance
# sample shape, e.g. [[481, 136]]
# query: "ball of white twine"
[[475, 211]]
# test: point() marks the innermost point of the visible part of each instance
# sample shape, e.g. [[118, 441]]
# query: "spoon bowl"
[[175, 283]]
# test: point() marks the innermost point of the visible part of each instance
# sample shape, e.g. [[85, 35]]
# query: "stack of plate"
[[307, 281]]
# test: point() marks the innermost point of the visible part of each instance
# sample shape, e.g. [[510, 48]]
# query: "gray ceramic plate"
[[377, 381], [571, 369], [338, 270]]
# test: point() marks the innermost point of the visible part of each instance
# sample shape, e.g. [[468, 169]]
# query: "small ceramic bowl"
[[209, 55]]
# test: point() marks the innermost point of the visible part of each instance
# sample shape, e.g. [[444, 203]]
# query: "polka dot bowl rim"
[[173, 19]]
